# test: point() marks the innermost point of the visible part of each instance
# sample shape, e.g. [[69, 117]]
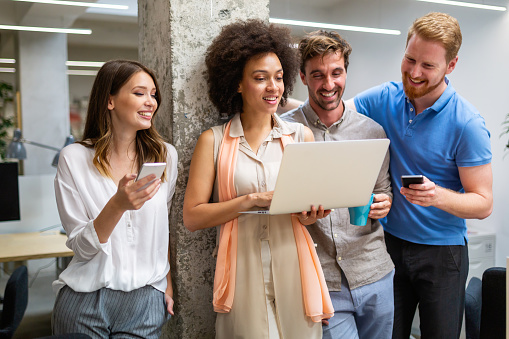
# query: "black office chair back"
[[493, 303], [15, 302]]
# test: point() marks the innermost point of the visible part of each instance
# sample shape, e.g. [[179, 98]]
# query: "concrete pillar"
[[44, 88], [173, 38]]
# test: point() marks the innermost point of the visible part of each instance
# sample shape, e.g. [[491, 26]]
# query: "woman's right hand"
[[131, 196], [262, 199]]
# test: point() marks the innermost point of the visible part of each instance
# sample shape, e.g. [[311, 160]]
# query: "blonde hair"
[[439, 27]]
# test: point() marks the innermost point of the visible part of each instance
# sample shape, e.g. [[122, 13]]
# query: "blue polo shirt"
[[445, 136]]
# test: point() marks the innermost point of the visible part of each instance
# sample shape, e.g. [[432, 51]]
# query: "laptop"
[[334, 174]]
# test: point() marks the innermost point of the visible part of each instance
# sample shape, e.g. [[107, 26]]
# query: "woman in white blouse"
[[118, 283]]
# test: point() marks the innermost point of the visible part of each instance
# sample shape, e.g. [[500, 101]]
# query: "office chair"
[[493, 303], [15, 302], [473, 301]]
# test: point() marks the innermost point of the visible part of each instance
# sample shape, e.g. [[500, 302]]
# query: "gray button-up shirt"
[[357, 250]]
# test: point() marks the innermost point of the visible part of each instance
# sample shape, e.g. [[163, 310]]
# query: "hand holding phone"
[[148, 168], [407, 180]]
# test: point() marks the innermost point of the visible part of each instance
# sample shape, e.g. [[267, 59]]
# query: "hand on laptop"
[[380, 207], [262, 199], [310, 217]]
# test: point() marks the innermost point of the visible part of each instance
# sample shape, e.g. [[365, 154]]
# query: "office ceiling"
[[119, 28], [110, 28]]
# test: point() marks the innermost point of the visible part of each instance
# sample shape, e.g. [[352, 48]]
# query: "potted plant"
[[6, 122]]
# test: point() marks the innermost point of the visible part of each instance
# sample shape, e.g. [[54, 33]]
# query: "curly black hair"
[[229, 52]]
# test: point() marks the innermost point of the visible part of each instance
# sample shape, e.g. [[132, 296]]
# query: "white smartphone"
[[148, 168]]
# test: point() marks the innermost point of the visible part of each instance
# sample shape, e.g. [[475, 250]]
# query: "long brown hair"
[[98, 126]]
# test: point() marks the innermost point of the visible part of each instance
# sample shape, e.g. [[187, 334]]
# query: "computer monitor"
[[9, 192]]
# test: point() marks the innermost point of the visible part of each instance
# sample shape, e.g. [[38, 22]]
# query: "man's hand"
[[424, 194], [380, 207], [476, 201]]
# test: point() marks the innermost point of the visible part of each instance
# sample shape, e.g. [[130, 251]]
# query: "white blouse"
[[136, 253]]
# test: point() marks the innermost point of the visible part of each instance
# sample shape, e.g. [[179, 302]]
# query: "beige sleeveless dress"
[[267, 260]]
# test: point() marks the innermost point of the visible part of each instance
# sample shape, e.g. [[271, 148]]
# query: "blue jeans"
[[433, 277], [365, 312]]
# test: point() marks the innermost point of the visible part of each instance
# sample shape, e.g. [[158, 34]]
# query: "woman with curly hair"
[[118, 284], [268, 281]]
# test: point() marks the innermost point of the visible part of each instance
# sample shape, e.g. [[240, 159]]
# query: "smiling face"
[[423, 69], [133, 106], [262, 84], [325, 78]]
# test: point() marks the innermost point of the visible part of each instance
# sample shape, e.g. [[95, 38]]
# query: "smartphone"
[[148, 168], [406, 180]]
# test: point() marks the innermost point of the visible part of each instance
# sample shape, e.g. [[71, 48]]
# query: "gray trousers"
[[108, 313]]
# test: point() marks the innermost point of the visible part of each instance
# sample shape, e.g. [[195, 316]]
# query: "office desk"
[[36, 245]]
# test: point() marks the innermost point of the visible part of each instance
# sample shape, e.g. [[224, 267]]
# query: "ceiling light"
[[45, 29], [7, 70], [466, 4], [84, 63], [81, 72], [332, 26], [7, 61], [77, 3]]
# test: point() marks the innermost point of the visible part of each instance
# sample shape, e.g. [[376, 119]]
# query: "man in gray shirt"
[[358, 270]]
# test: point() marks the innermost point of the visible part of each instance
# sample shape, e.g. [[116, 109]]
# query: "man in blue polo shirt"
[[437, 133]]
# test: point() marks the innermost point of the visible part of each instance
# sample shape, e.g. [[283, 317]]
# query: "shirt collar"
[[444, 98], [280, 127], [313, 118]]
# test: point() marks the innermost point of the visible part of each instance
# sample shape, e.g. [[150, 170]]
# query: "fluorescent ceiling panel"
[[333, 26], [84, 63], [45, 29], [466, 4], [77, 3]]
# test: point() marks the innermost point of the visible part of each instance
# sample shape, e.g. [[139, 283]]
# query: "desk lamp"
[[16, 149]]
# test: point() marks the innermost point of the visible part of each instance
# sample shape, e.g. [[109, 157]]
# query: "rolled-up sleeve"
[[78, 224]]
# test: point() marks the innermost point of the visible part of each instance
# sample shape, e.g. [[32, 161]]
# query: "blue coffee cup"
[[359, 215]]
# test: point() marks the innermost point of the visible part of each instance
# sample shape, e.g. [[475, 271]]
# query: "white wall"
[[480, 76]]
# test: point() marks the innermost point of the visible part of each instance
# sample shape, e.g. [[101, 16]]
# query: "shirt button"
[[411, 109], [339, 258], [327, 131], [410, 121], [263, 183], [335, 235], [264, 227]]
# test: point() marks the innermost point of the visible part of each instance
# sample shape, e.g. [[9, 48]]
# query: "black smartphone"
[[406, 180]]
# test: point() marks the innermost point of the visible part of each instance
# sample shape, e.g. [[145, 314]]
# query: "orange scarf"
[[317, 303]]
